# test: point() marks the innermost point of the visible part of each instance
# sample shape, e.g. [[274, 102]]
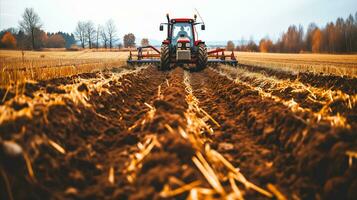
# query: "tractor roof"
[[182, 20]]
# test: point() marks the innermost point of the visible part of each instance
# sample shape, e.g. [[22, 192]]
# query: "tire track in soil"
[[307, 160], [170, 161], [166, 163], [93, 142], [233, 139]]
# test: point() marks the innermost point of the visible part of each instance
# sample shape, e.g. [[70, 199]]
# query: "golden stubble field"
[[19, 66], [344, 65]]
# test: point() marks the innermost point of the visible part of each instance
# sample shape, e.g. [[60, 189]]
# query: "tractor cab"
[[181, 30], [182, 34]]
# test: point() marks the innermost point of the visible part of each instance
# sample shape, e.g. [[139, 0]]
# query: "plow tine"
[[224, 62], [146, 61]]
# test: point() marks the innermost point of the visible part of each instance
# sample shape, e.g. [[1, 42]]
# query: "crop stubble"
[[145, 134]]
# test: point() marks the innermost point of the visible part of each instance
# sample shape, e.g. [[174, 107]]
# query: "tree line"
[[90, 36], [102, 36], [31, 36], [334, 37], [17, 39]]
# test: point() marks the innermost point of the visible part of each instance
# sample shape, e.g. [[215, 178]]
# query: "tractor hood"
[[183, 40]]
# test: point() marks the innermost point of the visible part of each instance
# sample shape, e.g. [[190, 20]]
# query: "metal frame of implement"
[[216, 56]]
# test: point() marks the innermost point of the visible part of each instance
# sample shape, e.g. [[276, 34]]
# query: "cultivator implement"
[[142, 57], [217, 56], [151, 55], [181, 47]]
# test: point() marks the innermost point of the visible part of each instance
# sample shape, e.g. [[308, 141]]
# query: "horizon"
[[286, 14]]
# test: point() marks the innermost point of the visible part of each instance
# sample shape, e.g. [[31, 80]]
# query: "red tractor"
[[181, 47]]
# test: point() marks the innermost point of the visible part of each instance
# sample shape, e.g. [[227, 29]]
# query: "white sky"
[[225, 19]]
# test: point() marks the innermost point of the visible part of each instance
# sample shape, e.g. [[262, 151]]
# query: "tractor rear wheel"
[[202, 57], [165, 57]]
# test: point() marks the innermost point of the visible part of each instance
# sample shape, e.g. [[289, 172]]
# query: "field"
[[270, 128], [343, 65], [18, 66]]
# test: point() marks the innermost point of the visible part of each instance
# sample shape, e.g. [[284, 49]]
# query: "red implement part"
[[140, 55], [215, 54], [149, 47], [216, 51]]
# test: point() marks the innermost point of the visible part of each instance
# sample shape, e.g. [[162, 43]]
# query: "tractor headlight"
[[188, 45], [179, 45]]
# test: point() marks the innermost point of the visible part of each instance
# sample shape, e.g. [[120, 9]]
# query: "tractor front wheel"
[[165, 57], [202, 57]]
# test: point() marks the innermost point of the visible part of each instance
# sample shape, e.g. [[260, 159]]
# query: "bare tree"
[[89, 33], [98, 35], [111, 32], [30, 22], [80, 33], [104, 36]]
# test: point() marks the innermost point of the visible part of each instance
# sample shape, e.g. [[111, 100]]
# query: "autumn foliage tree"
[[335, 37], [56, 41], [129, 40], [144, 42], [265, 45], [292, 40], [230, 46], [41, 38], [8, 41], [316, 41]]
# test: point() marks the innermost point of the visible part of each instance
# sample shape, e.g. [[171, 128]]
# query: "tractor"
[[181, 47]]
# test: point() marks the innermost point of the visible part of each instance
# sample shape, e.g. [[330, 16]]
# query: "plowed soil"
[[75, 138]]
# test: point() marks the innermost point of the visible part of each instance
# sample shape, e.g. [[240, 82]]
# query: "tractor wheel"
[[165, 57], [202, 57]]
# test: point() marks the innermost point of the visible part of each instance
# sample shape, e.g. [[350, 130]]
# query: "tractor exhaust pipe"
[[168, 27], [168, 18]]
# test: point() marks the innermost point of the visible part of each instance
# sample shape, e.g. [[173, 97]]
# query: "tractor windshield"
[[181, 30]]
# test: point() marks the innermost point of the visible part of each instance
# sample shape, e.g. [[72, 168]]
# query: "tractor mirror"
[[161, 27], [203, 27]]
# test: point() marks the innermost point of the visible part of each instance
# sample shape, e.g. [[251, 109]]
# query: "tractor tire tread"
[[202, 57], [164, 57]]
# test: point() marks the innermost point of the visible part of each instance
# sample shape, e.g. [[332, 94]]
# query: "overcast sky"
[[225, 19]]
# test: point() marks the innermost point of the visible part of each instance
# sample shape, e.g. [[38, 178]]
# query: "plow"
[[181, 47]]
